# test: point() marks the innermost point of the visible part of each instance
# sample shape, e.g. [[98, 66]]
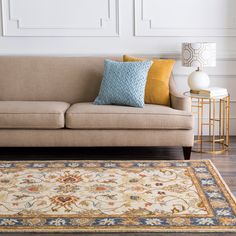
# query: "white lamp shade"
[[199, 54]]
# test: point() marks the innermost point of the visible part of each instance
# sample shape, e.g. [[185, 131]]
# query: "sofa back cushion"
[[69, 79]]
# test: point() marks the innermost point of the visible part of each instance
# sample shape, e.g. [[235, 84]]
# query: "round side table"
[[212, 113]]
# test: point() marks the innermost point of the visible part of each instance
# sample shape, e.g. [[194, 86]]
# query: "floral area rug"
[[114, 196]]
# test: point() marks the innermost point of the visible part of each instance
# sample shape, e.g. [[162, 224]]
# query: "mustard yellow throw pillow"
[[157, 86]]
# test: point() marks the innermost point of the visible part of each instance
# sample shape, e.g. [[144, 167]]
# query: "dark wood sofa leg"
[[187, 152]]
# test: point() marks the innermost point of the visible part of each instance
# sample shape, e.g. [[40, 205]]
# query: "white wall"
[[103, 27]]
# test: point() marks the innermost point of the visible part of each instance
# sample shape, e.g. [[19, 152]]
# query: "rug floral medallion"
[[114, 196]]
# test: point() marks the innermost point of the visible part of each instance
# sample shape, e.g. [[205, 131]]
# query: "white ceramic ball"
[[198, 80]]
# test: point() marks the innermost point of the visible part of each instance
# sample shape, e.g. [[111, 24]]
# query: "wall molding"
[[164, 55], [108, 26], [221, 56], [144, 27]]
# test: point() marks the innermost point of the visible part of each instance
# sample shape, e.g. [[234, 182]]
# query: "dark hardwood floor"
[[226, 164]]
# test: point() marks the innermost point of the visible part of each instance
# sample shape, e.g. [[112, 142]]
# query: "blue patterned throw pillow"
[[123, 83]]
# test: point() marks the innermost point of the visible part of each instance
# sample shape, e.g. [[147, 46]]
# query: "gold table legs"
[[218, 110]]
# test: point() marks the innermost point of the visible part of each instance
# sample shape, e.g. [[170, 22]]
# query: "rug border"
[[222, 181], [130, 230], [211, 229]]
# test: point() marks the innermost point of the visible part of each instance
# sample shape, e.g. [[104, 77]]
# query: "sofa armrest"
[[179, 101]]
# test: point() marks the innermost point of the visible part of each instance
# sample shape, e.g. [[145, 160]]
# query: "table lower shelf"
[[207, 145]]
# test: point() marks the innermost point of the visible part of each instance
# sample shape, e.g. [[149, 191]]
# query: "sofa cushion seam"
[[68, 113], [32, 113]]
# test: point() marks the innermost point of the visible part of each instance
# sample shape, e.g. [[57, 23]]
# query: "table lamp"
[[198, 55]]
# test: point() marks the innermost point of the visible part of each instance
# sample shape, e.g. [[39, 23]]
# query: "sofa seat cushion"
[[89, 116], [32, 115]]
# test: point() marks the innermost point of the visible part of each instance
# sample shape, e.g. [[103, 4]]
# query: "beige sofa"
[[47, 102]]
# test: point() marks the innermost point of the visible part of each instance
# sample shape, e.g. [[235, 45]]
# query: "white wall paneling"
[[185, 18], [60, 17]]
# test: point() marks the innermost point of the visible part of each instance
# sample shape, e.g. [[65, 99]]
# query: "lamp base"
[[198, 80]]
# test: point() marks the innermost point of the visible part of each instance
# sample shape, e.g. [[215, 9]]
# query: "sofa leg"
[[187, 152]]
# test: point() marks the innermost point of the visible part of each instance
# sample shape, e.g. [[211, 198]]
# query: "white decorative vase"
[[198, 80]]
